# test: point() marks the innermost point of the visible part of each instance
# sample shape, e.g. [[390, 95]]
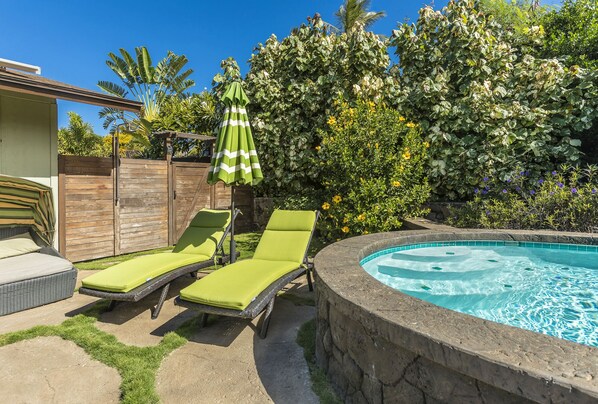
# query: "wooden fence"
[[111, 207]]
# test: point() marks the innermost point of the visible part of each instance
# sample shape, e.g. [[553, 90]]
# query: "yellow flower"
[[377, 145], [426, 144], [336, 199], [406, 155], [318, 148], [351, 111], [396, 184], [361, 217], [325, 206], [410, 125], [401, 119], [345, 229], [366, 232], [332, 121], [345, 220]]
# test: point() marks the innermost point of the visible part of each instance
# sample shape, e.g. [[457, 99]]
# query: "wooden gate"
[[111, 207], [191, 193]]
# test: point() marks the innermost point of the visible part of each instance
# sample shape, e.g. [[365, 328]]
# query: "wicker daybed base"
[[264, 301], [28, 293]]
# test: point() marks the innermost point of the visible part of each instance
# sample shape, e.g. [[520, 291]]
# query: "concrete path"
[[227, 362], [52, 370], [224, 362]]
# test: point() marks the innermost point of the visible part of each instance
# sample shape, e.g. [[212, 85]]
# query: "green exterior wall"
[[29, 139]]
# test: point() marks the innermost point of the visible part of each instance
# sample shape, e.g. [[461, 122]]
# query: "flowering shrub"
[[292, 84], [565, 200], [372, 163], [482, 104]]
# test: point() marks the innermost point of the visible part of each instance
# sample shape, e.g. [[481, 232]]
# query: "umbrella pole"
[[233, 245]]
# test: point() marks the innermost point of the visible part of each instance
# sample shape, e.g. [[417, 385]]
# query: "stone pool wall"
[[378, 345]]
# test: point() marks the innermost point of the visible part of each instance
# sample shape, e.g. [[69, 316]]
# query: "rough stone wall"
[[363, 367]]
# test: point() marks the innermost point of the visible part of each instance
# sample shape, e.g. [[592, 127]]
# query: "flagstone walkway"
[[224, 362]]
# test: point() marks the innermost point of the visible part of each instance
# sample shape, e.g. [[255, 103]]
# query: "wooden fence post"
[[61, 206], [171, 190], [115, 190]]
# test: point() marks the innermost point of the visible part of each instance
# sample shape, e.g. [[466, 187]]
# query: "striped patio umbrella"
[[235, 159], [27, 203]]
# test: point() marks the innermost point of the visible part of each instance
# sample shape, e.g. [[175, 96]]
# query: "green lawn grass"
[[246, 244], [306, 338]]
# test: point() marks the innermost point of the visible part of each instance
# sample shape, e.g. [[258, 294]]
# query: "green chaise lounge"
[[244, 289], [135, 279]]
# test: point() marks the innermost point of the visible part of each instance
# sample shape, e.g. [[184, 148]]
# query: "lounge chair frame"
[[164, 280], [264, 301]]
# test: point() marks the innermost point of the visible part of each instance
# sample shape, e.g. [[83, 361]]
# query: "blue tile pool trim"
[[482, 243]]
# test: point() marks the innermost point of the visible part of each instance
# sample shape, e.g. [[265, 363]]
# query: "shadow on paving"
[[279, 360], [125, 311]]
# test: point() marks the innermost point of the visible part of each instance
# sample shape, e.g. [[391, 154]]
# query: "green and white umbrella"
[[235, 159]]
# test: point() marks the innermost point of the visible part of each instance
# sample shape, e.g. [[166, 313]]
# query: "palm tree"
[[149, 84], [79, 139], [354, 13]]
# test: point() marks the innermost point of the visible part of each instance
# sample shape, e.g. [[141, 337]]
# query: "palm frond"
[[144, 63], [131, 66], [112, 88]]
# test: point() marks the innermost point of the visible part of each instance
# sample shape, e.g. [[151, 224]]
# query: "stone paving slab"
[[52, 370], [227, 362]]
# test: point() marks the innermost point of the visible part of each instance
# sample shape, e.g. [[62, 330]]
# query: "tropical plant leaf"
[[113, 88]]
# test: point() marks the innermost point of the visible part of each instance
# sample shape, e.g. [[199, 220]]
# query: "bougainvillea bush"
[[564, 199], [372, 162]]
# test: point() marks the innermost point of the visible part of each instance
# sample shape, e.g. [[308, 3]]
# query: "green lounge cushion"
[[287, 236], [197, 244], [238, 284], [128, 275], [204, 233], [280, 251]]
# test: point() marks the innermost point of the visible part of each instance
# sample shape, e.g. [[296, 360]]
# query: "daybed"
[[34, 274]]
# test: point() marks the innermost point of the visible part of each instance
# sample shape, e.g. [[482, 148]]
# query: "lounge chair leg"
[[112, 305], [203, 320], [310, 283], [266, 319], [158, 307]]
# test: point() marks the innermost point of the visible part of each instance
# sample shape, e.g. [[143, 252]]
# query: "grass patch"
[[104, 263], [297, 300], [246, 244], [306, 338], [137, 366]]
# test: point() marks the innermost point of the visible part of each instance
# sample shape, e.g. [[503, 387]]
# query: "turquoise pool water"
[[547, 288]]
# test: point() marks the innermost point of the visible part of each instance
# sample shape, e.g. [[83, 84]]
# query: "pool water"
[[547, 288]]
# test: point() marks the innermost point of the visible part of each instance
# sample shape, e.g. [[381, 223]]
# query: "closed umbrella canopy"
[[27, 203], [235, 159]]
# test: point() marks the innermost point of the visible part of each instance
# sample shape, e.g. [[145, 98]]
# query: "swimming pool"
[[372, 338], [542, 287]]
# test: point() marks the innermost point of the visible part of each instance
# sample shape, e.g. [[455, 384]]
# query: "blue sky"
[[70, 39]]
